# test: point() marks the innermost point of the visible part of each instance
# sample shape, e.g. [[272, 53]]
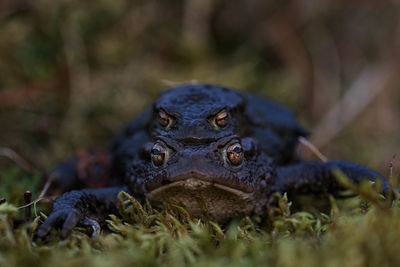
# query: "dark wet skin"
[[210, 148]]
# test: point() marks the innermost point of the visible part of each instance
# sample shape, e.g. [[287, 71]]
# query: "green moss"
[[355, 233]]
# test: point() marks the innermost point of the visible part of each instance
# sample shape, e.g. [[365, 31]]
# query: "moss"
[[355, 233]]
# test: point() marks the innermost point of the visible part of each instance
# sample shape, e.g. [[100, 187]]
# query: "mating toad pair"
[[208, 147]]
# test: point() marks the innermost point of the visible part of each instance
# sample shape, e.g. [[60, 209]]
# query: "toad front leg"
[[86, 207], [318, 178]]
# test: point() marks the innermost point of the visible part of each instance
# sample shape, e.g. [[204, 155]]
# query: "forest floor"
[[359, 231]]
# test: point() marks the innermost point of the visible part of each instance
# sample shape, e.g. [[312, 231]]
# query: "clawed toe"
[[51, 222], [69, 219]]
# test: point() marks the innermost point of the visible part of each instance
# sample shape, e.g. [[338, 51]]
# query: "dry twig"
[[42, 193], [14, 156], [312, 148], [369, 84]]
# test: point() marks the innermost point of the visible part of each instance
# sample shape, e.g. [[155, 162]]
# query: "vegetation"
[[355, 233]]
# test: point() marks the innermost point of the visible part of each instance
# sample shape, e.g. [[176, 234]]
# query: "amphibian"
[[208, 147]]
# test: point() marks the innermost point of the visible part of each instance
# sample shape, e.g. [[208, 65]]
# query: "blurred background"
[[72, 73]]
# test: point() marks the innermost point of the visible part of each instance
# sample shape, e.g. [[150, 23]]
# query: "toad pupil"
[[158, 154], [163, 118], [235, 154], [222, 118]]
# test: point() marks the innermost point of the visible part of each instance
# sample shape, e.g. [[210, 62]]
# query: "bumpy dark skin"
[[208, 147], [193, 110]]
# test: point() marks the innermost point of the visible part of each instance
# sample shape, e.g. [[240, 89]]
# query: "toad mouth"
[[196, 184], [220, 202]]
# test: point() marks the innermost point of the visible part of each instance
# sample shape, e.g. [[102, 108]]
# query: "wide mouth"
[[192, 179], [194, 184], [200, 197]]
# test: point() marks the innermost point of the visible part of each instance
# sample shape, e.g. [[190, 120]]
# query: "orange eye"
[[158, 154], [163, 118], [235, 153], [222, 118]]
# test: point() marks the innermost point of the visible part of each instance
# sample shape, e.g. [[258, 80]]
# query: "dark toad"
[[210, 148]]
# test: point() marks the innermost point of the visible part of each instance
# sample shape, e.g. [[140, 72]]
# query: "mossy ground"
[[354, 232]]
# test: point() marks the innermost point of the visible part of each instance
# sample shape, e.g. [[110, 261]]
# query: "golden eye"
[[158, 154], [222, 118], [163, 118], [235, 153]]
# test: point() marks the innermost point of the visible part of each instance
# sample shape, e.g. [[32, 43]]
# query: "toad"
[[207, 147]]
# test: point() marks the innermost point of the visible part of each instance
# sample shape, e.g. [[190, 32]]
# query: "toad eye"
[[158, 154], [222, 118], [235, 154], [164, 119]]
